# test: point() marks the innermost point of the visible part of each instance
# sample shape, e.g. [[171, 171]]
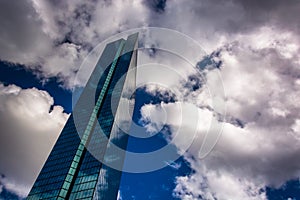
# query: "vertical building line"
[[69, 180]]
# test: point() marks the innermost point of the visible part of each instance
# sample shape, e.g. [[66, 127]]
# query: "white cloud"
[[296, 129], [52, 38], [12, 186], [260, 70], [22, 40], [29, 129], [262, 91], [119, 197], [217, 185]]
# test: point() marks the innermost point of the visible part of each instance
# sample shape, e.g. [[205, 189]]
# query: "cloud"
[[258, 55], [119, 197], [213, 23], [22, 40], [10, 190], [52, 38], [217, 185], [34, 39], [30, 124], [260, 142]]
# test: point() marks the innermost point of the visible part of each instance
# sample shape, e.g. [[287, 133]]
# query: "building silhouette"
[[75, 167]]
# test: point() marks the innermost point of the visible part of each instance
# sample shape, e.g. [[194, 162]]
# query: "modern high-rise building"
[[74, 168]]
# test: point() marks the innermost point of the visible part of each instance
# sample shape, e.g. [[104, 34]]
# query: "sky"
[[252, 45]]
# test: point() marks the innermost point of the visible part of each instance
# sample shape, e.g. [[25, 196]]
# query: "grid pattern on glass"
[[91, 167], [109, 178], [53, 174], [54, 171], [79, 153], [69, 165]]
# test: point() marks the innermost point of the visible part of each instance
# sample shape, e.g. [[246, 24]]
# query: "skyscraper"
[[74, 168]]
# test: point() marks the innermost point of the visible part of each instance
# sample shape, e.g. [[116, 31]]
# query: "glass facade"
[[73, 169]]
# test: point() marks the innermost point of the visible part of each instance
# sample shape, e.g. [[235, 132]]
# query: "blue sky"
[[153, 185], [252, 45]]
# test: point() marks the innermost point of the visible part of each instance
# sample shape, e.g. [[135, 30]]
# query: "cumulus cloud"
[[30, 124], [52, 38], [260, 143], [217, 185], [213, 23], [10, 189], [255, 43]]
